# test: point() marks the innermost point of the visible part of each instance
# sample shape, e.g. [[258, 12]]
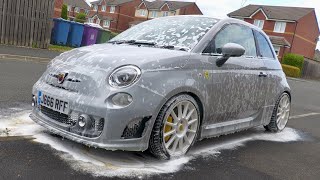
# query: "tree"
[[64, 12], [81, 18]]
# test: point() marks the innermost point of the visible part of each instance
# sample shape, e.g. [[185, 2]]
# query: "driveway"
[[28, 152]]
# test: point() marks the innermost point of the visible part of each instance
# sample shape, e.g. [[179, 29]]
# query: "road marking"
[[304, 115]]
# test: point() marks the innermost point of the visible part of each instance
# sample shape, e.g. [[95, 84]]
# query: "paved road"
[[24, 51], [22, 158]]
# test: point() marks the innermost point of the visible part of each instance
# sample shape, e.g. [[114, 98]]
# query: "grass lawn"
[[59, 48]]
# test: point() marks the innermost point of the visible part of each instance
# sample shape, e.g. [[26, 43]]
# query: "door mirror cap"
[[230, 50], [233, 50]]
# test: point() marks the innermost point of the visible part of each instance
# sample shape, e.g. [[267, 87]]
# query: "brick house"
[[148, 10], [291, 29], [119, 15], [57, 8], [114, 15], [75, 7]]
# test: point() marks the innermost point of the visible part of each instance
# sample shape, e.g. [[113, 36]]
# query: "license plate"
[[53, 103]]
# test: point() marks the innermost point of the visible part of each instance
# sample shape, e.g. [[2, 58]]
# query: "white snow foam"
[[100, 162]]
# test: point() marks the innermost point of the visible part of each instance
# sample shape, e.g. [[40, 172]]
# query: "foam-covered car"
[[164, 84]]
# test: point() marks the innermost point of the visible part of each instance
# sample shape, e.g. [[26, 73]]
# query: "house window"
[[154, 14], [277, 49], [280, 27], [103, 8], [112, 9], [87, 11], [143, 12], [98, 21], [90, 20], [76, 9], [106, 23], [95, 7], [166, 13], [69, 8], [259, 23]]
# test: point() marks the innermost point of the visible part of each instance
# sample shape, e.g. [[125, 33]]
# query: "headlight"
[[124, 76]]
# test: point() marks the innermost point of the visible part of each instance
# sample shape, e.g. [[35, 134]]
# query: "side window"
[[264, 46], [238, 34]]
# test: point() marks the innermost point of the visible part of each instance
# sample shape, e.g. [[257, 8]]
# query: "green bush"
[[64, 12], [291, 71], [81, 18], [293, 60]]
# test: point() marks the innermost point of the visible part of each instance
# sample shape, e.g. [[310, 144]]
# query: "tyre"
[[280, 115], [176, 127]]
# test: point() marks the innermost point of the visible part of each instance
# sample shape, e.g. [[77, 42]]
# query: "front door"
[[237, 85]]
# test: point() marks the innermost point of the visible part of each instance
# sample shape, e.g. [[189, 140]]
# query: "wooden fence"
[[311, 69], [26, 22]]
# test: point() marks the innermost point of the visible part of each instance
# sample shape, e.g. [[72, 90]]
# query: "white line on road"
[[304, 115]]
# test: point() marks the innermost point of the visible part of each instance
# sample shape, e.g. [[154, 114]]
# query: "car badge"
[[61, 77]]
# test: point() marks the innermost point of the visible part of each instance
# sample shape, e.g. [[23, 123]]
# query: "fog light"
[[122, 99], [34, 101], [83, 120]]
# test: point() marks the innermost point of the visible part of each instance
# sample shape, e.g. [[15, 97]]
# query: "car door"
[[268, 57], [236, 86]]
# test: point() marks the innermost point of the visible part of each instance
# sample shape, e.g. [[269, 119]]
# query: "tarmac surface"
[[23, 158]]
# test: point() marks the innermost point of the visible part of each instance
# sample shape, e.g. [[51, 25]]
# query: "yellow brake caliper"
[[168, 128]]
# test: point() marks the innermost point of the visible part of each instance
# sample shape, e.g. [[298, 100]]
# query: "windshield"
[[178, 31]]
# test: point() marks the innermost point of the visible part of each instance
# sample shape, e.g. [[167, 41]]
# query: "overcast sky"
[[221, 8]]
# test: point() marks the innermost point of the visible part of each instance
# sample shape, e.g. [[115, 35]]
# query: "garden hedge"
[[293, 60], [291, 71], [81, 18], [64, 12]]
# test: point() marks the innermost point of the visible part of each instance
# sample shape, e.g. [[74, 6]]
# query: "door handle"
[[263, 74]]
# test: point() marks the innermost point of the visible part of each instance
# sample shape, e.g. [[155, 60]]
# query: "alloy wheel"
[[283, 112], [180, 128]]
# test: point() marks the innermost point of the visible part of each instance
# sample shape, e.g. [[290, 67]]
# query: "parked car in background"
[[164, 84]]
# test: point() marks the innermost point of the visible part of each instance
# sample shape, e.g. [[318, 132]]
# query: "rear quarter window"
[[264, 46]]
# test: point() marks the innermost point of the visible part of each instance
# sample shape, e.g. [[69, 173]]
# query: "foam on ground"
[[100, 162]]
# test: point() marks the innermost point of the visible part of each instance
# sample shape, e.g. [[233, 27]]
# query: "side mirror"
[[230, 50]]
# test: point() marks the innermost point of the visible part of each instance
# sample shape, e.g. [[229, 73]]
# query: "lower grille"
[[135, 128], [57, 116], [94, 130]]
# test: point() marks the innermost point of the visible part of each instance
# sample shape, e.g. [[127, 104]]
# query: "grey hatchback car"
[[164, 84]]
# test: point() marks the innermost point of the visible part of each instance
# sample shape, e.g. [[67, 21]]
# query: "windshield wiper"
[[135, 42], [149, 43], [181, 48], [122, 42]]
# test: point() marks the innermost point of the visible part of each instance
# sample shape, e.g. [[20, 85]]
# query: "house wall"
[[123, 15], [192, 9], [126, 14], [57, 8], [306, 35]]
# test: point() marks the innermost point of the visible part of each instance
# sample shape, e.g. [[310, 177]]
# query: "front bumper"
[[115, 119], [126, 144]]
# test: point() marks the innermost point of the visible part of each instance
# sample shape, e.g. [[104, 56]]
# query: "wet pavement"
[[27, 151]]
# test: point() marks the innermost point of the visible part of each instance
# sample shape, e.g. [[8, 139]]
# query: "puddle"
[[100, 162]]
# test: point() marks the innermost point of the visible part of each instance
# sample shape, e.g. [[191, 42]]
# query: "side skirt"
[[227, 127]]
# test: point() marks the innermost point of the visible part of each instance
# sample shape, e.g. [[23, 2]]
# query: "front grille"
[[100, 125], [57, 116], [94, 130]]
